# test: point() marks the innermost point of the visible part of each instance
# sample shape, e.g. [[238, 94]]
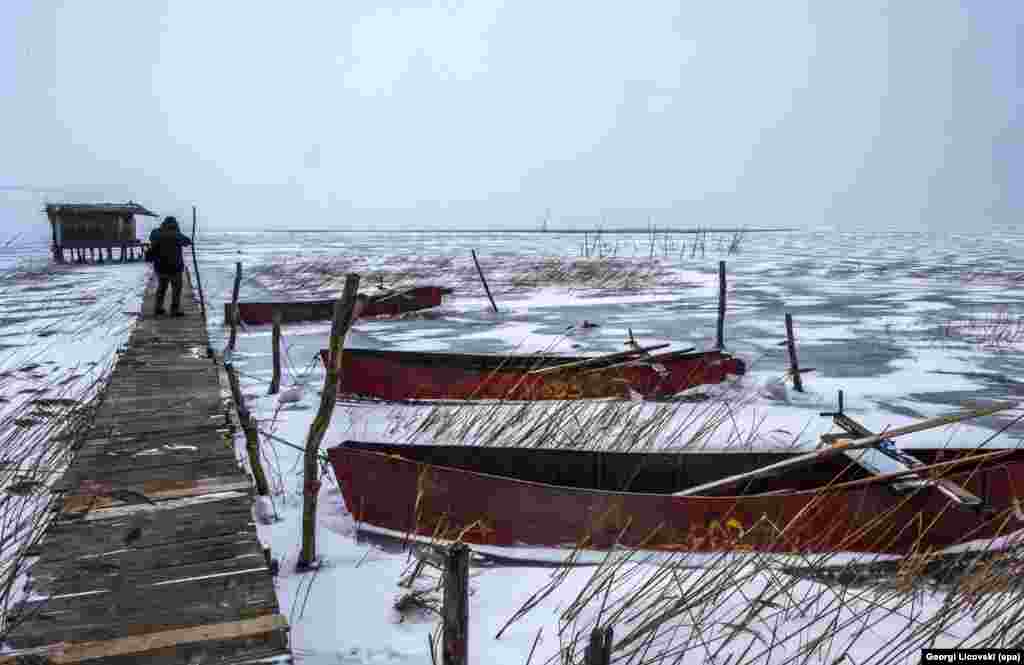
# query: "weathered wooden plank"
[[205, 468], [156, 490], [157, 445], [138, 394], [134, 611], [72, 578], [117, 462], [253, 650], [54, 562], [153, 641], [114, 426], [187, 523], [97, 437], [144, 507]]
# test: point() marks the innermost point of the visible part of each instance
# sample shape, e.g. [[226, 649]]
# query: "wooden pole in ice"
[[484, 280], [233, 310], [275, 343], [720, 338], [794, 367]]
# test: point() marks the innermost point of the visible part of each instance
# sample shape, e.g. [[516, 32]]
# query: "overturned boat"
[[415, 375], [387, 303], [597, 500]]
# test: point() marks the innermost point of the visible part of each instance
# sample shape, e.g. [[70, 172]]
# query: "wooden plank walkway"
[[181, 580]]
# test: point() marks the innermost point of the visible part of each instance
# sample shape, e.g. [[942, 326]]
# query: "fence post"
[[599, 649], [343, 314], [455, 611], [252, 438], [275, 342], [720, 339]]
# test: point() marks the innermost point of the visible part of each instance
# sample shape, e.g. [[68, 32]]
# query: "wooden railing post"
[[794, 367], [195, 265], [455, 610], [252, 438], [343, 314], [720, 339], [275, 343]]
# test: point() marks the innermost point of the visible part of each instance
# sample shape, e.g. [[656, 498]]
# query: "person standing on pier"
[[167, 242]]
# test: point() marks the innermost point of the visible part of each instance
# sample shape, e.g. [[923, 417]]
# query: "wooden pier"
[[178, 574]]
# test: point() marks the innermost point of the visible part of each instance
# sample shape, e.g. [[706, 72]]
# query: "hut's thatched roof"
[[120, 209]]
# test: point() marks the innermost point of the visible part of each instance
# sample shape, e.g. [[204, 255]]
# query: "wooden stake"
[[794, 367], [455, 611], [343, 314], [275, 343], [233, 322], [720, 340], [599, 649], [252, 438], [484, 280]]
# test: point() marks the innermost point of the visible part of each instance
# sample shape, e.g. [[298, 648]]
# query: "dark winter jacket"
[[167, 242]]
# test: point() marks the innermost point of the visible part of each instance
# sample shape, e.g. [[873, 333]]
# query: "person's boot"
[[160, 311], [177, 312]]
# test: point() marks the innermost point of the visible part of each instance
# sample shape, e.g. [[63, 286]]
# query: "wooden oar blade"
[[845, 445]]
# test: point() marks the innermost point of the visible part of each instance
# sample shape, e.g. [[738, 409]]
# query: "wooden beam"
[[75, 652]]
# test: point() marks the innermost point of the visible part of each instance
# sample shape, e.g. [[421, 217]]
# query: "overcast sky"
[[865, 114]]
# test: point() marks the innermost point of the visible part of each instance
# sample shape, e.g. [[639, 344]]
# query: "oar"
[[598, 359], [639, 362], [842, 447]]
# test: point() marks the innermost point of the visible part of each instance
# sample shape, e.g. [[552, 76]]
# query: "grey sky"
[[866, 114]]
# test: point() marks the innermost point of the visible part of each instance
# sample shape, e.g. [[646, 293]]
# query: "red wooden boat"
[[555, 498], [405, 375], [387, 303]]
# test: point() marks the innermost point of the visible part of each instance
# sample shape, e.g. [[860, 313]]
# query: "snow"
[[866, 309]]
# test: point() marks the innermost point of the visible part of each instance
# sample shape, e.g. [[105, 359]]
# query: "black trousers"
[[175, 282]]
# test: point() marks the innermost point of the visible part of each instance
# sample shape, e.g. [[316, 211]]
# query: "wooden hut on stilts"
[[84, 231]]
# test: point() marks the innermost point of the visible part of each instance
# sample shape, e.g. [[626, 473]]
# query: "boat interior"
[[491, 362]]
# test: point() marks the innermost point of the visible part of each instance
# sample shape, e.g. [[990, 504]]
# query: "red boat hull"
[[387, 304], [405, 375], [403, 489]]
